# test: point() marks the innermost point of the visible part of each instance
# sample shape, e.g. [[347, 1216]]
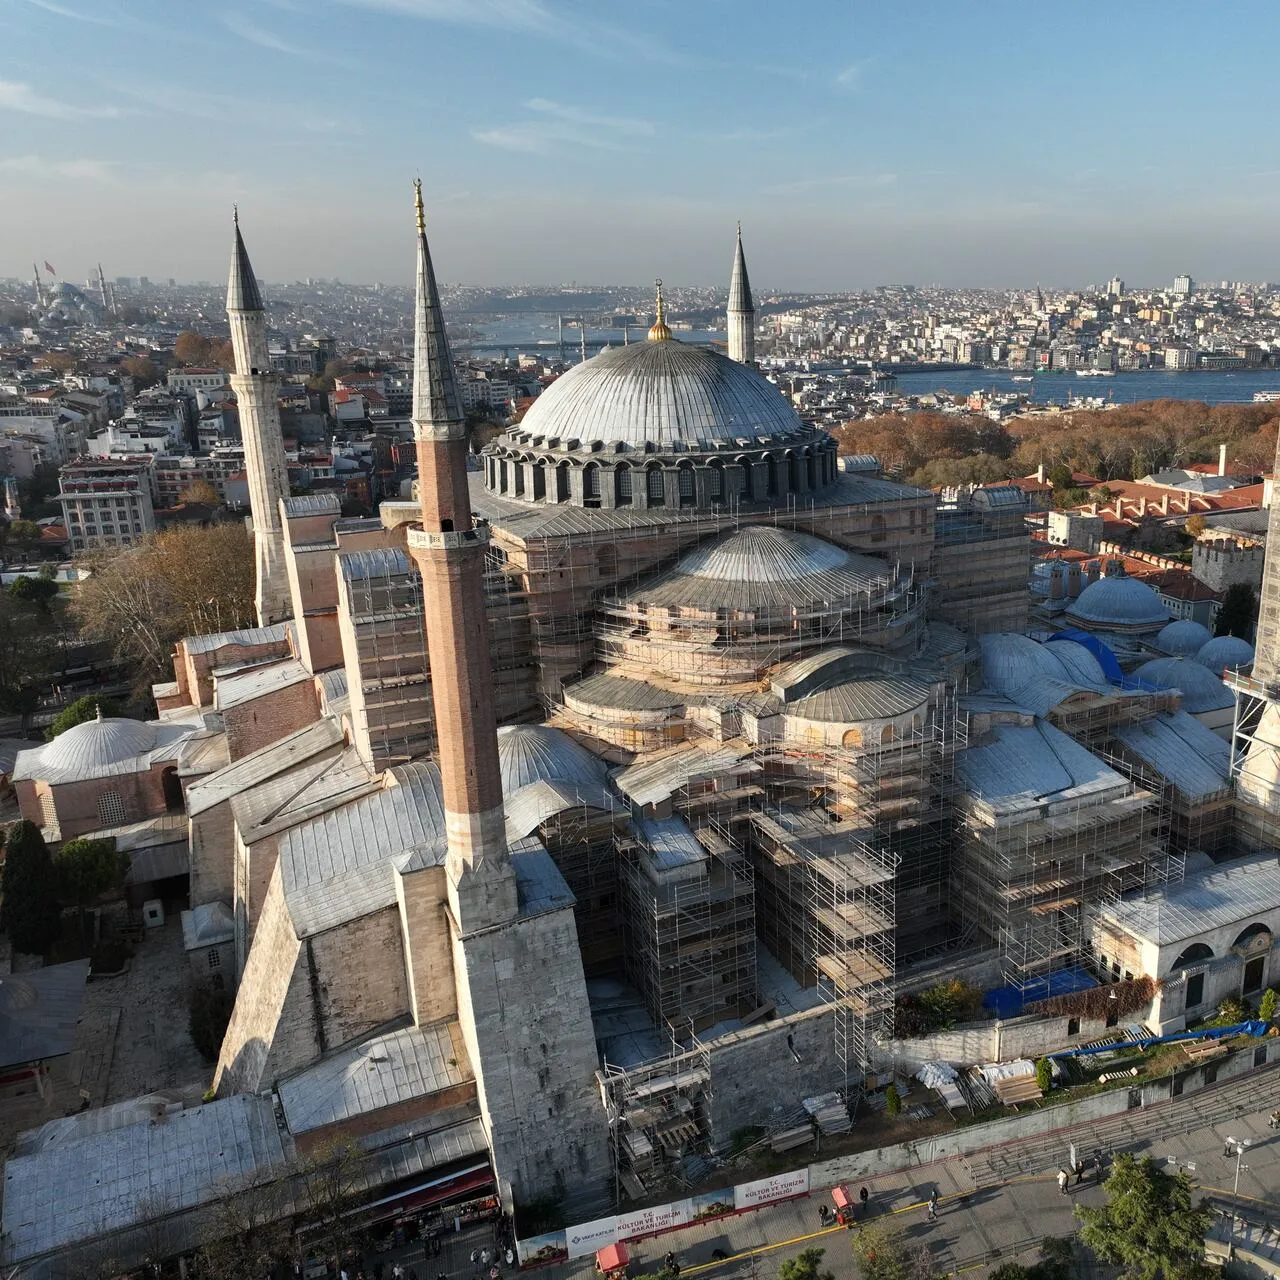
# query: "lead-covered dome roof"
[[1201, 689], [1225, 651], [760, 566], [529, 753], [662, 394], [1184, 638], [1120, 601]]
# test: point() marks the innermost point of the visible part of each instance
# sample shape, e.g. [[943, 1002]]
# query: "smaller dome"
[[1119, 601], [1225, 651], [1183, 638], [1009, 659], [94, 746], [1079, 664], [529, 753], [1201, 689], [763, 554]]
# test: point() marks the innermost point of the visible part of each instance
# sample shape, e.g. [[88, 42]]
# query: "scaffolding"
[[690, 922], [1255, 761], [1025, 876]]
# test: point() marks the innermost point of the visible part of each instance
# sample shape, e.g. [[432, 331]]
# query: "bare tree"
[[328, 1181], [247, 1231]]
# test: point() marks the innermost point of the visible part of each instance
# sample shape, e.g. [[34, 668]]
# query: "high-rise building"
[[1183, 286]]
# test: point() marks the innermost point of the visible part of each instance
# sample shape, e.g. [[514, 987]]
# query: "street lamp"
[[1237, 1147]]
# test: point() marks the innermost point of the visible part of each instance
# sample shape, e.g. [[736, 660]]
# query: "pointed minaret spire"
[[742, 310], [257, 391], [437, 406], [659, 332]]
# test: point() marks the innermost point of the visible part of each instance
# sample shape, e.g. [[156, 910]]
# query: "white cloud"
[[15, 96], [39, 167], [559, 127], [833, 180], [96, 20], [257, 35], [851, 76]]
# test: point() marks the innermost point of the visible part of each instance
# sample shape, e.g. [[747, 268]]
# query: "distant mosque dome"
[[1201, 689], [1225, 651], [1119, 602], [1183, 638]]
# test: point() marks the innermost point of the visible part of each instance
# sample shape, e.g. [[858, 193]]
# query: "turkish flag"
[[48, 268]]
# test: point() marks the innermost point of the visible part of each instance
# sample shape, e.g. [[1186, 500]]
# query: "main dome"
[[662, 394]]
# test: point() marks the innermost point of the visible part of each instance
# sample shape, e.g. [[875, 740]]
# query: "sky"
[[860, 142]]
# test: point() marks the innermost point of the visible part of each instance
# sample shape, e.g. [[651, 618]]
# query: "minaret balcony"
[[429, 540]]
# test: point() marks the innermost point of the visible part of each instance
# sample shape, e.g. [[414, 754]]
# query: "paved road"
[[1004, 1200]]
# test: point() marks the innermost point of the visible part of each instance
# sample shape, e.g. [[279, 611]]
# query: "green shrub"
[[1233, 1009], [1044, 1075], [208, 1014], [29, 911], [893, 1100], [1267, 1009]]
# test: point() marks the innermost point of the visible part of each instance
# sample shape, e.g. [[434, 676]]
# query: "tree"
[[1194, 525], [86, 869], [28, 653], [1267, 1006], [60, 362], [81, 710], [247, 1231], [189, 580], [142, 370], [39, 592], [1237, 612], [1149, 1226], [327, 1182], [29, 911], [200, 491], [190, 348], [805, 1266], [24, 533], [882, 1254], [1057, 1262], [892, 1100]]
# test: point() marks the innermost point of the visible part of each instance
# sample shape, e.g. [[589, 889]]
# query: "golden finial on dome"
[[417, 203], [660, 332]]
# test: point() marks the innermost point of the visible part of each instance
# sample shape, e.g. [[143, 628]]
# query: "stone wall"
[[522, 1005], [212, 836]]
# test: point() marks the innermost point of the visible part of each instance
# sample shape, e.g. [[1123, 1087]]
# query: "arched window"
[[1250, 936], [622, 480], [793, 472], [715, 482], [539, 481], [811, 465], [1196, 953], [771, 475], [748, 479], [562, 481], [852, 738], [502, 476], [171, 784], [591, 485], [607, 562], [518, 469], [656, 486], [684, 476]]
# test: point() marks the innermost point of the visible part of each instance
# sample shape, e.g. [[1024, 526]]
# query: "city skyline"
[[858, 147]]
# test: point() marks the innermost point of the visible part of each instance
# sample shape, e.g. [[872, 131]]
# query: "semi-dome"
[[1183, 638], [529, 753], [1225, 651], [1201, 689], [89, 750], [1118, 601], [1010, 659], [662, 394], [761, 565]]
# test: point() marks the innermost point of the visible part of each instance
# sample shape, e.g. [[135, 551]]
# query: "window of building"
[[1073, 1026], [591, 484], [1175, 1089], [657, 486], [1211, 1073], [624, 486], [715, 485], [1260, 1056], [1195, 990], [111, 809], [215, 959]]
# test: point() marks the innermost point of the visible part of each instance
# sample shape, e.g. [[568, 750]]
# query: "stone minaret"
[[450, 551], [257, 391], [742, 310]]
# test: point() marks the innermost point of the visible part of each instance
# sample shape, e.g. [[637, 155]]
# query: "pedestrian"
[[822, 1214], [484, 1257], [1062, 1182], [475, 1256], [864, 1195], [510, 1256], [1079, 1172], [1097, 1164], [397, 1272], [933, 1205]]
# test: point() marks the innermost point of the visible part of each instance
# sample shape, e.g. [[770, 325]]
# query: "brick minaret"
[[257, 391], [742, 310], [449, 548]]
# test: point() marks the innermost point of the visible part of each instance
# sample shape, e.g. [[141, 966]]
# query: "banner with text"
[[591, 1236], [782, 1186], [652, 1221], [543, 1250]]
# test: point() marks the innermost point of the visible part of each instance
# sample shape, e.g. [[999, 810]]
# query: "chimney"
[[1057, 584], [1040, 470], [1222, 459], [1093, 571], [1074, 585]]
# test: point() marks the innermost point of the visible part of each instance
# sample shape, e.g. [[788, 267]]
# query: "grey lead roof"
[[311, 504], [249, 637], [105, 1182], [1179, 747], [621, 692], [381, 1072], [313, 788], [39, 1010], [739, 283], [653, 778], [435, 389], [257, 682], [662, 393], [105, 748], [1232, 893], [319, 737], [872, 698]]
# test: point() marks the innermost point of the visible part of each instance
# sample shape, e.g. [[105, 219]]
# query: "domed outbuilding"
[[660, 424], [1223, 652], [1183, 638], [107, 772], [1118, 603], [1203, 694]]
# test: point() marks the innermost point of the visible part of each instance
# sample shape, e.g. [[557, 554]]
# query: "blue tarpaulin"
[[1008, 1002], [1106, 658], [1251, 1028]]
